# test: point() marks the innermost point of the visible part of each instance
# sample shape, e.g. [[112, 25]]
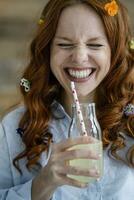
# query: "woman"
[[87, 42]]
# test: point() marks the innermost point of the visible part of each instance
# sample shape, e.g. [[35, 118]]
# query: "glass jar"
[[93, 129]]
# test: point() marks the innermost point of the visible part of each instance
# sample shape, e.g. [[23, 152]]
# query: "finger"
[[61, 146], [75, 154], [79, 171], [72, 182]]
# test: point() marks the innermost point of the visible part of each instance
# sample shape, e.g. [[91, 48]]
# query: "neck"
[[67, 100]]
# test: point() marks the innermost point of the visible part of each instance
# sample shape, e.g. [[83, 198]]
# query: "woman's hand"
[[54, 174], [58, 165]]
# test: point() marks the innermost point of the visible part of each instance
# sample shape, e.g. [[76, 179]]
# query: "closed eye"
[[95, 45], [65, 46]]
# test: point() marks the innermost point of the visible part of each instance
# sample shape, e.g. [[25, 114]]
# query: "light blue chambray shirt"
[[117, 182]]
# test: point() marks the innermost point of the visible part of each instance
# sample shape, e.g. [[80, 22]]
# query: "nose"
[[80, 55]]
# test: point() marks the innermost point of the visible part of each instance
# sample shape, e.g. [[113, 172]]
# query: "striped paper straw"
[[80, 116]]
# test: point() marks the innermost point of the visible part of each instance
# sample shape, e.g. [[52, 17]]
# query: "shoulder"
[[8, 133], [128, 144], [13, 117], [129, 140], [9, 124]]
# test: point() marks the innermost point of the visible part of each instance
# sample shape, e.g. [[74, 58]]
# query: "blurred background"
[[18, 22]]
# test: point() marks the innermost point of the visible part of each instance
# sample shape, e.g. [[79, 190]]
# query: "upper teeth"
[[79, 73]]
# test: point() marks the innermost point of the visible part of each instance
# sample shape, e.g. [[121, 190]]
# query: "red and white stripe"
[[80, 116]]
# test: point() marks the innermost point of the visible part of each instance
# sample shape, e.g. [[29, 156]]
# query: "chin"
[[85, 93]]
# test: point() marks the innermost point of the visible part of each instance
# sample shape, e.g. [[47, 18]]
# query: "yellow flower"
[[41, 21], [112, 8], [131, 45]]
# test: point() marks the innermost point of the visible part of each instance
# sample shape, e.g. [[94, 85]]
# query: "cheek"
[[108, 62], [104, 59], [57, 57], [56, 61]]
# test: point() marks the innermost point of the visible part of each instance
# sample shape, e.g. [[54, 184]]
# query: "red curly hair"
[[113, 94]]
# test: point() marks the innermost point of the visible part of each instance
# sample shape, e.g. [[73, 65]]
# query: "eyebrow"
[[63, 38], [70, 40]]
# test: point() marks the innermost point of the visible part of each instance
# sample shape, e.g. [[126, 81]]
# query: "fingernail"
[[100, 155], [90, 139], [95, 167], [97, 172]]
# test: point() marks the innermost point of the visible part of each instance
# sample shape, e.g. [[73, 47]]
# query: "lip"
[[78, 80]]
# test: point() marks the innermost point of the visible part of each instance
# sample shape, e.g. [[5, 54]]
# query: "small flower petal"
[[26, 84], [111, 8], [129, 110], [41, 21], [131, 44]]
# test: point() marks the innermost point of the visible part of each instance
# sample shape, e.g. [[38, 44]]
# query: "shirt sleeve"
[[20, 192], [7, 189]]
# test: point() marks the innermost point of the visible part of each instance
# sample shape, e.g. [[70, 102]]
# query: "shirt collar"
[[58, 110]]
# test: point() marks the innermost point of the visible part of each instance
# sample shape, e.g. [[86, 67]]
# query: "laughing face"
[[80, 51]]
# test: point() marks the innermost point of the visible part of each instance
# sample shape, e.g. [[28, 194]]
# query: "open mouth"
[[79, 73]]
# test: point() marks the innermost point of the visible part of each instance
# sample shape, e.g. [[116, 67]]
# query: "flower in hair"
[[131, 44], [20, 131], [112, 8], [26, 84], [41, 21], [129, 109]]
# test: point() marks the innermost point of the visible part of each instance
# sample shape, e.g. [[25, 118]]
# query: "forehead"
[[80, 20]]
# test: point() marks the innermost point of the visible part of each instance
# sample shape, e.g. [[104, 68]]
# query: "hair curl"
[[114, 92]]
